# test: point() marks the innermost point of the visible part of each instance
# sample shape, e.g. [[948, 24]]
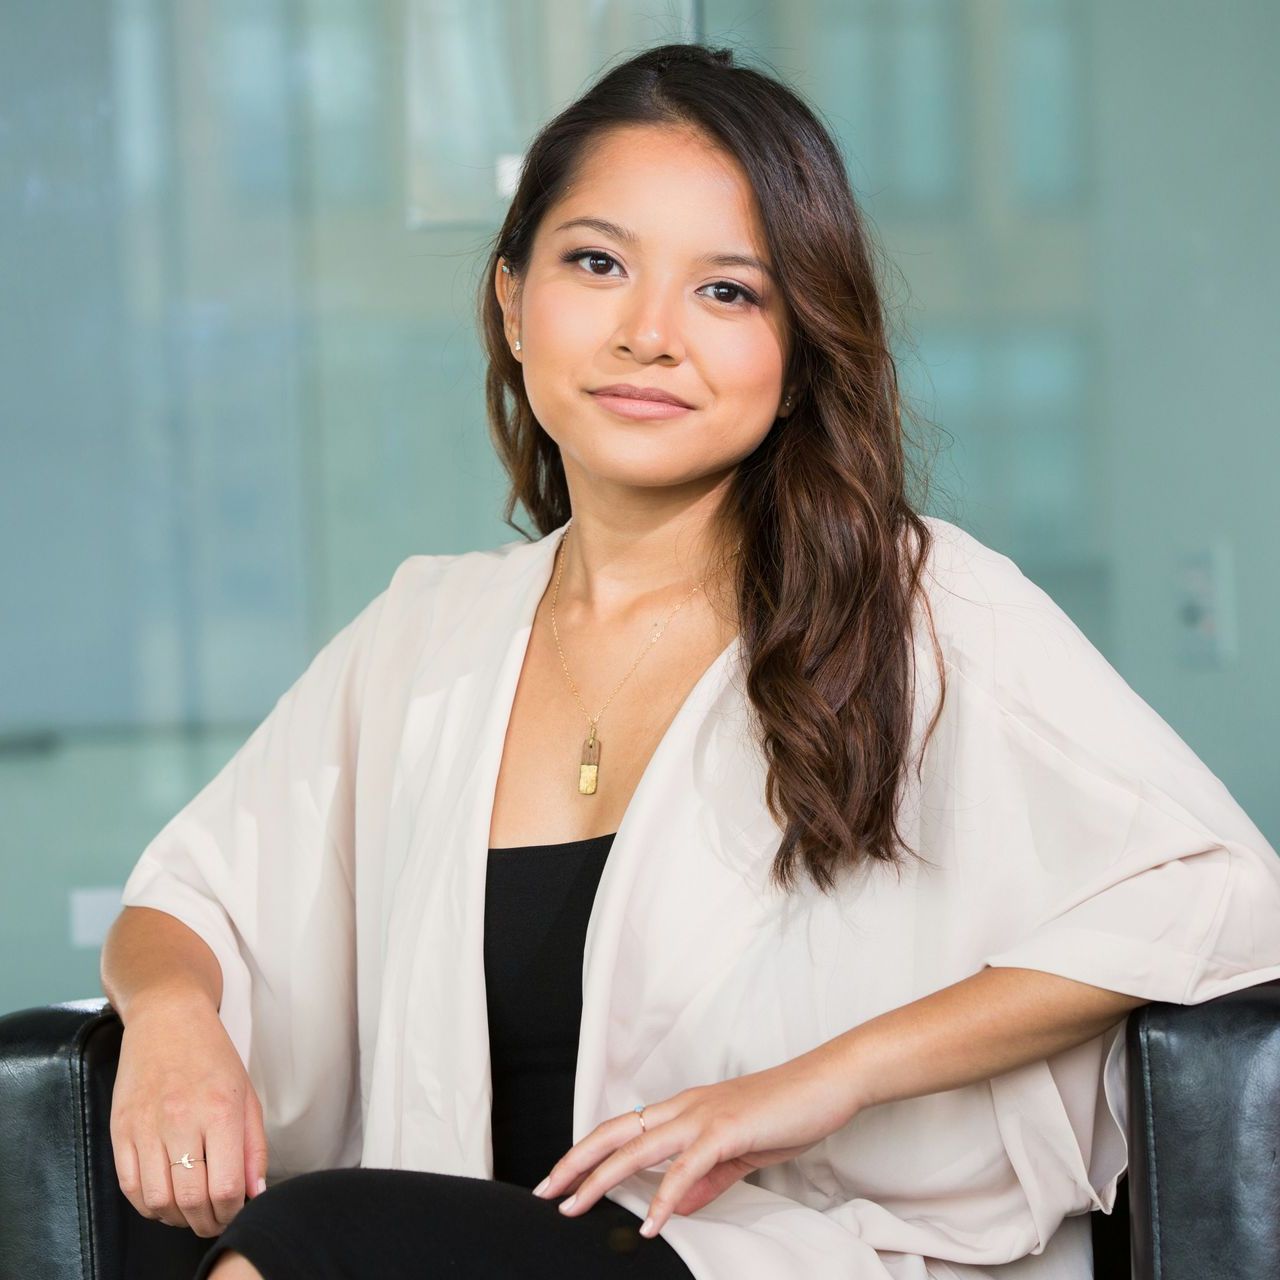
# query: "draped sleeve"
[[260, 865], [1106, 851]]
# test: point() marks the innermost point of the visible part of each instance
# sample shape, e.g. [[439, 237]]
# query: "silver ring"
[[186, 1160]]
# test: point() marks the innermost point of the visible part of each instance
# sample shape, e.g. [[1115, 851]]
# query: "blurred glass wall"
[[239, 382]]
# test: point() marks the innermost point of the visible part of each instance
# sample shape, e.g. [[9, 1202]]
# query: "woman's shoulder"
[[998, 629], [958, 561], [434, 599], [424, 580]]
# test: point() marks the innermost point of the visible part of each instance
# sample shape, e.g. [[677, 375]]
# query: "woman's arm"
[[992, 1022], [149, 955]]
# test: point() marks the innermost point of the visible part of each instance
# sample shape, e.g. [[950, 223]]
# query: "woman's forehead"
[[627, 194]]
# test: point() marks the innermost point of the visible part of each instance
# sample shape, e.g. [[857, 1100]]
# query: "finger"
[[127, 1173], [224, 1162], [577, 1163], [722, 1176], [641, 1152], [256, 1155], [191, 1191], [699, 1164], [157, 1189]]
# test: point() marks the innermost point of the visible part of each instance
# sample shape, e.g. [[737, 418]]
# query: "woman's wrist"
[[170, 999]]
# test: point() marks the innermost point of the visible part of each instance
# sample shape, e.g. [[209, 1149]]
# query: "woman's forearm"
[[151, 956], [987, 1024]]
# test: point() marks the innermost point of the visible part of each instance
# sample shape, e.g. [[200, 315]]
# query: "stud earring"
[[517, 344]]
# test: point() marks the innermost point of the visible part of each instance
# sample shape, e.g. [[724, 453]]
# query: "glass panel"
[[233, 370], [239, 381], [1046, 90]]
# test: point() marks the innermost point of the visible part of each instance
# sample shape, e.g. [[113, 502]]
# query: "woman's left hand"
[[718, 1133]]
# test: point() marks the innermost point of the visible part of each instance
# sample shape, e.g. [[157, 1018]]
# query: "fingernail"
[[648, 1228], [542, 1186], [262, 1185], [566, 1205]]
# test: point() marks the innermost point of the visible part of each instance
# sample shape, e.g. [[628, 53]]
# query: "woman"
[[857, 852]]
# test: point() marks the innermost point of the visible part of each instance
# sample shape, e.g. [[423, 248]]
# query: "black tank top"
[[538, 901]]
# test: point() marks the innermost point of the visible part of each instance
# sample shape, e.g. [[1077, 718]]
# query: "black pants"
[[402, 1224]]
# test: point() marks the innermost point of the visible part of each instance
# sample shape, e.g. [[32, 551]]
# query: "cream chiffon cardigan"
[[336, 867]]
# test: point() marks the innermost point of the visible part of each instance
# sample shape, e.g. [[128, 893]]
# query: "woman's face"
[[641, 303]]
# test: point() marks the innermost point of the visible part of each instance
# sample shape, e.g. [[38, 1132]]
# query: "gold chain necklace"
[[589, 769]]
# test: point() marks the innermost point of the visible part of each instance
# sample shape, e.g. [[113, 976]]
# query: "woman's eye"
[[749, 298], [587, 253]]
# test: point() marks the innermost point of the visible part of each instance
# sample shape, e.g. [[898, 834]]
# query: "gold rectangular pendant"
[[589, 769]]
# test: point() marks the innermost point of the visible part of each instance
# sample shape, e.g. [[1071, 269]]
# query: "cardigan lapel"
[[682, 896], [430, 1091]]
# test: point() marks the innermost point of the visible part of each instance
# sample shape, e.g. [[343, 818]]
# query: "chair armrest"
[[1203, 1132], [64, 1215], [1203, 1179]]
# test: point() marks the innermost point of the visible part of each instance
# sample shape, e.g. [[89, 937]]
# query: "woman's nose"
[[652, 320]]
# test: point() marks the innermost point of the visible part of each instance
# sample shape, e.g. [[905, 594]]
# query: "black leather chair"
[[1201, 1200]]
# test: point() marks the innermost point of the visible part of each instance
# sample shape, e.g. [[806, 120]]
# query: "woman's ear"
[[505, 288]]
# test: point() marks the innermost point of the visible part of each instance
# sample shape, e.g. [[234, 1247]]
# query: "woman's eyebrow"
[[631, 240]]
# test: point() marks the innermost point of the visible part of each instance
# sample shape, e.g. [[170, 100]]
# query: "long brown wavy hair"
[[826, 581]]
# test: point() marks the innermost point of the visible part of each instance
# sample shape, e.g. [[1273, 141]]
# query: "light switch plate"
[[1206, 606]]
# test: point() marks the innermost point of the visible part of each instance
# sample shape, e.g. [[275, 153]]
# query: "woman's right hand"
[[180, 1086]]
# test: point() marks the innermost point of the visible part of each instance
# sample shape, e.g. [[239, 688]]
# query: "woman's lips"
[[643, 410]]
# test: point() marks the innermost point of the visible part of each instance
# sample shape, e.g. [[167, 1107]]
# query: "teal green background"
[[239, 380]]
